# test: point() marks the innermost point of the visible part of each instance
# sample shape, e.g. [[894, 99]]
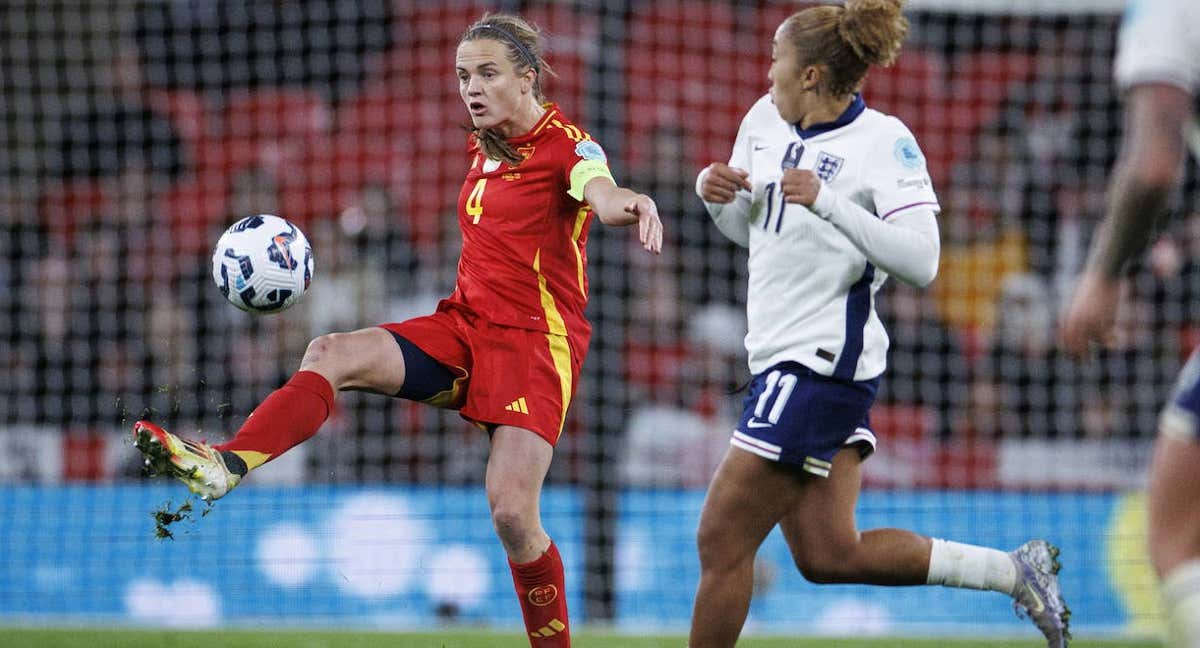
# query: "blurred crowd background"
[[132, 133]]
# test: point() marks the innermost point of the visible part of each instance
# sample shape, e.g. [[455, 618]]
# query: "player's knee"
[[718, 549], [708, 543], [514, 525], [1168, 547], [1159, 559], [321, 356], [808, 567], [347, 360], [824, 567], [708, 550], [819, 573], [321, 348]]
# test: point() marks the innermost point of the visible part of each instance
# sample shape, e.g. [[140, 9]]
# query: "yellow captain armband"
[[584, 172]]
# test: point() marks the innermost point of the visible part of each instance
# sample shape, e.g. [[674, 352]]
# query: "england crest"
[[828, 166]]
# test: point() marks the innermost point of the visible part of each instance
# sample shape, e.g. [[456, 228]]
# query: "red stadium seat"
[[655, 366], [268, 113], [373, 133], [66, 205], [1189, 339], [261, 125], [570, 48], [188, 112], [906, 453], [982, 81], [194, 208], [910, 456], [194, 204], [687, 65]]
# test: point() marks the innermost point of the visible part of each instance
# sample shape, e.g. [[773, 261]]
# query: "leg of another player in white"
[[750, 495], [1174, 513]]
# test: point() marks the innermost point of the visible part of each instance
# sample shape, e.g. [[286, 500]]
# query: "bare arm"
[[620, 206], [1152, 153]]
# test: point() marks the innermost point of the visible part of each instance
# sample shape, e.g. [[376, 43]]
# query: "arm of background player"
[[1151, 162], [620, 206], [906, 245], [1151, 156]]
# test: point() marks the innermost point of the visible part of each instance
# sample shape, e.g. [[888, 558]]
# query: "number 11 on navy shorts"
[[795, 416]]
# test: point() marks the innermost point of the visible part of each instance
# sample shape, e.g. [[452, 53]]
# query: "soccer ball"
[[262, 264]]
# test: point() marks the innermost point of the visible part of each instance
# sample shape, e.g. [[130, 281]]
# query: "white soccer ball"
[[262, 264]]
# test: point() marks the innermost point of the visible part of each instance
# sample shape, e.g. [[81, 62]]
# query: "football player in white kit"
[[1158, 65], [831, 197]]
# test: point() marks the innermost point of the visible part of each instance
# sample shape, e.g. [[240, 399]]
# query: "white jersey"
[[1159, 42], [812, 291]]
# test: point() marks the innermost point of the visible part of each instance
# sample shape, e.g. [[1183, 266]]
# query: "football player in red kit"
[[505, 348]]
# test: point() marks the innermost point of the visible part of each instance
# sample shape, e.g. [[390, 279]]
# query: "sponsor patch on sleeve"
[[908, 154], [590, 150], [913, 183]]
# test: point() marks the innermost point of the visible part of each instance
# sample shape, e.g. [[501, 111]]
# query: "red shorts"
[[506, 375]]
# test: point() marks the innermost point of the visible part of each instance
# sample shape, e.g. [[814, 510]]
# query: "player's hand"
[[1092, 314], [722, 182], [650, 230], [800, 186]]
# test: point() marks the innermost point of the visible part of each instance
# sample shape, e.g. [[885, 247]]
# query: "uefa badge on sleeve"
[[590, 150], [908, 154]]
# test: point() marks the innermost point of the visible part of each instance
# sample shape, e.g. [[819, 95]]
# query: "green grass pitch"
[[106, 638]]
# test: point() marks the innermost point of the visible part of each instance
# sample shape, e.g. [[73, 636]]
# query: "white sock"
[[954, 564], [1181, 594]]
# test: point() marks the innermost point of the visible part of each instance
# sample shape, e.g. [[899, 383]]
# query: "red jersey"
[[524, 230]]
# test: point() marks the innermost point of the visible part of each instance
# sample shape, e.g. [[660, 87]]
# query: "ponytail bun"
[[874, 29]]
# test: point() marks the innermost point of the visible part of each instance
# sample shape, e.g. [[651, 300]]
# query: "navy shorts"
[[1181, 417], [795, 416]]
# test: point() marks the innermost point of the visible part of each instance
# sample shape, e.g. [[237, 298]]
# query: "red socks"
[[294, 412], [541, 590], [290, 415]]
